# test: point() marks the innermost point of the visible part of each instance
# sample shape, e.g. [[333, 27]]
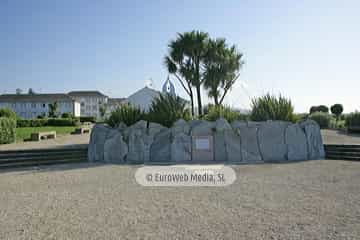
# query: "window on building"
[[43, 105], [82, 104], [94, 108], [33, 105]]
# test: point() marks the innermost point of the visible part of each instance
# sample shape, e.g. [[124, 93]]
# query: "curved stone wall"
[[203, 141]]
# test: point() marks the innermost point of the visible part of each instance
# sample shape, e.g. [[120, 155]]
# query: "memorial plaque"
[[202, 143], [203, 148]]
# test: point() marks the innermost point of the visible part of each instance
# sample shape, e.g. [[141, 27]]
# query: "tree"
[[102, 110], [185, 60], [19, 91], [53, 109], [222, 66], [337, 110], [321, 108], [31, 91]]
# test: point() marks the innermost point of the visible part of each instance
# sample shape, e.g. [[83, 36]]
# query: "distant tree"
[[19, 91], [222, 69], [102, 110], [31, 91], [337, 110], [53, 109], [321, 108]]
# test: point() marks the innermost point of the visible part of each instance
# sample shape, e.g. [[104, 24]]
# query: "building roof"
[[115, 101], [86, 94], [35, 97]]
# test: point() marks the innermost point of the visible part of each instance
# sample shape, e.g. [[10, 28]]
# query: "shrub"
[[126, 114], [337, 110], [270, 107], [300, 116], [42, 116], [353, 120], [7, 130], [31, 122], [216, 112], [88, 119], [8, 113], [166, 109], [63, 122], [67, 115], [323, 119]]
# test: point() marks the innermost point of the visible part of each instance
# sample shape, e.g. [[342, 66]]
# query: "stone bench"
[[43, 135], [82, 130]]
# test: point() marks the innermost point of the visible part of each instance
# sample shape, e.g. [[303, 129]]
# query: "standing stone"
[[295, 140], [137, 147], [271, 137], [96, 143], [181, 126], [221, 127], [115, 149], [314, 139], [232, 146], [250, 151], [181, 148], [202, 147], [237, 124], [160, 149]]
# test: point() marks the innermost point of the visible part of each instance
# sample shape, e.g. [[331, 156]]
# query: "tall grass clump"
[[270, 107], [216, 112], [127, 114], [167, 109]]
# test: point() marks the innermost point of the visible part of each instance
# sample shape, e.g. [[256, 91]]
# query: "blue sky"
[[306, 50]]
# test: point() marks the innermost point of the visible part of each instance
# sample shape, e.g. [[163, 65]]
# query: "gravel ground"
[[305, 200], [340, 137]]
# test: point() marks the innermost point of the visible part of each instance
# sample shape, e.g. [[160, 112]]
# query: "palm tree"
[[222, 65], [185, 60]]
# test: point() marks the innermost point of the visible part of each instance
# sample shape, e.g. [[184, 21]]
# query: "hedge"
[[48, 122], [7, 130], [88, 119], [63, 122], [353, 120], [31, 122]]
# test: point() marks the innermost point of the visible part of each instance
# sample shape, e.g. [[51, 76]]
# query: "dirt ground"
[[306, 200]]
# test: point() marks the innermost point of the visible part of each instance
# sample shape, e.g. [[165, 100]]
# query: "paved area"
[[340, 137], [306, 200], [61, 141]]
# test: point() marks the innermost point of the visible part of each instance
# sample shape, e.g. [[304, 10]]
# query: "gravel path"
[[305, 200], [340, 137]]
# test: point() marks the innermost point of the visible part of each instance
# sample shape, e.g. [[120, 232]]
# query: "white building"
[[144, 97], [29, 106], [90, 102]]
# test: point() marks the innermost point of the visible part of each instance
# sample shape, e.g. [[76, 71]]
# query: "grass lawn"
[[24, 133]]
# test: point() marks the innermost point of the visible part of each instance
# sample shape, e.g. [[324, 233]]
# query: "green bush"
[[353, 120], [166, 109], [7, 130], [126, 114], [323, 119], [88, 119], [31, 123], [63, 122], [67, 115], [8, 113], [216, 112], [270, 107]]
